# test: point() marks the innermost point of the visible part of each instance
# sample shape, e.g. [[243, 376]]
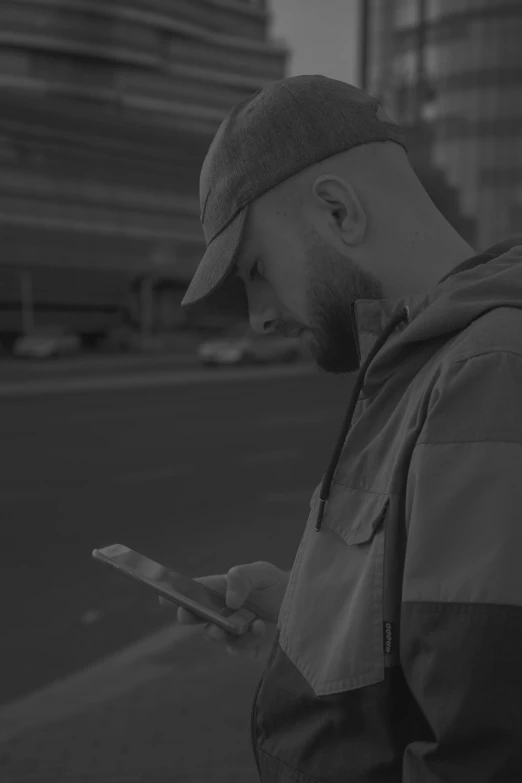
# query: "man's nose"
[[262, 323], [262, 310]]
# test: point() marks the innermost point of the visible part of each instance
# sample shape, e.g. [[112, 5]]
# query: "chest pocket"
[[331, 619]]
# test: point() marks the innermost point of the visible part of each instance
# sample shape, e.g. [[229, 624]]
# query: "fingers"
[[214, 633], [182, 615], [216, 582], [239, 586], [247, 645]]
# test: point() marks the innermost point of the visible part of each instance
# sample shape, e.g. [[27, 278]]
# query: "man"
[[316, 224]]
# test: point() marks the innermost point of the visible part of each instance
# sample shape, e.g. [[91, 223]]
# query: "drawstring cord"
[[327, 479]]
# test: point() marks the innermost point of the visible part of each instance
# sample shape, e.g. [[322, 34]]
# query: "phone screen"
[[181, 589]]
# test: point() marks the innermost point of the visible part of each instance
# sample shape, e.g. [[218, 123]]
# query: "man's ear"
[[345, 215]]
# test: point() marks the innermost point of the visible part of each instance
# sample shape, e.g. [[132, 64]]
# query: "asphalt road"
[[200, 477]]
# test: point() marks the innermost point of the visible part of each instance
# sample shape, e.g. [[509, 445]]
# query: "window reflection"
[[473, 64]]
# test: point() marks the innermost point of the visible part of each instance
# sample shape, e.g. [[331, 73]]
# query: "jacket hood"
[[479, 284], [387, 330]]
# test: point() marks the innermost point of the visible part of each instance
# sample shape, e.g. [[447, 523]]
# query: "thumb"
[[238, 588]]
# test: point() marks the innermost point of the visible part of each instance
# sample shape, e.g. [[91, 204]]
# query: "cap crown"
[[279, 131]]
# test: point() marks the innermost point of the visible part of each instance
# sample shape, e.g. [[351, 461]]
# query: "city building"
[[107, 111], [450, 71]]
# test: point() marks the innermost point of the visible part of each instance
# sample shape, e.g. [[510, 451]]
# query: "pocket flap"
[[354, 514], [331, 623]]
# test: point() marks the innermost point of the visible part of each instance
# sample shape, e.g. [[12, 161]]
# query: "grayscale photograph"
[[261, 391]]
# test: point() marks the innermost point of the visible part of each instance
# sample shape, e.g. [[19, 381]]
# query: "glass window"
[[470, 184], [509, 160], [406, 13], [505, 101], [405, 66], [440, 153], [491, 152], [432, 10], [398, 61], [459, 167], [433, 62], [476, 101], [510, 37], [444, 59], [515, 160], [473, 45], [445, 7], [516, 102], [489, 104], [444, 104], [453, 53], [14, 62], [376, 22], [453, 163]]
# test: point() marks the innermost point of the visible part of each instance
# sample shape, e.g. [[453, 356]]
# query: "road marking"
[[156, 380], [104, 680]]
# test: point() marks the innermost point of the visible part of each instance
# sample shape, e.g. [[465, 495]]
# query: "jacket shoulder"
[[495, 331]]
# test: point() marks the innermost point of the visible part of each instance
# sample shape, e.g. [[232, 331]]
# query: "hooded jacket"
[[397, 656]]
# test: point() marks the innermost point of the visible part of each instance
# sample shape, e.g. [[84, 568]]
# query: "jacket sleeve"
[[461, 620]]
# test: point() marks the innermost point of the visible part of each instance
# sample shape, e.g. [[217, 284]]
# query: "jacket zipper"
[[253, 728]]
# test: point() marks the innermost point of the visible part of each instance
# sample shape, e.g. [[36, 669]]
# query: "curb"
[[35, 388], [88, 362], [105, 680]]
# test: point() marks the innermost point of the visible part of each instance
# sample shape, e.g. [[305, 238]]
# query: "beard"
[[334, 282]]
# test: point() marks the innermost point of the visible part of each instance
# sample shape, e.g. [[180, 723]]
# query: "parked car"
[[250, 348], [46, 344]]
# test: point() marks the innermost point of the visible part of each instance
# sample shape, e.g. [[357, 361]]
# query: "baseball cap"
[[281, 129]]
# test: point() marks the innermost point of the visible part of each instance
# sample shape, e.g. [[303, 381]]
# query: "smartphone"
[[181, 590]]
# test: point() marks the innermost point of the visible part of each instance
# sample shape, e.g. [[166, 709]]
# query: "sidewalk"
[[12, 370], [31, 378], [172, 709]]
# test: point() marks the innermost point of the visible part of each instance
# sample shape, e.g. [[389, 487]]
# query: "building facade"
[[450, 71], [107, 111]]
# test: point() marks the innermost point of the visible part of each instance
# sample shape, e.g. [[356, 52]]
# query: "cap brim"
[[215, 289]]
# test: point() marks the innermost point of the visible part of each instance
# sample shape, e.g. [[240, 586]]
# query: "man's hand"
[[263, 585]]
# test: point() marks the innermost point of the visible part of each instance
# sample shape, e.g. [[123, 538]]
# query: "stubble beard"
[[333, 284]]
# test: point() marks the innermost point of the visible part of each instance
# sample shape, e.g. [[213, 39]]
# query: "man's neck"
[[428, 257]]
